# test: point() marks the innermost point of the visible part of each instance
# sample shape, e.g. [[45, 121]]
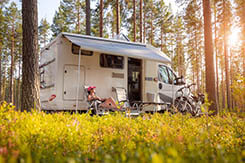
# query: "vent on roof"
[[121, 37]]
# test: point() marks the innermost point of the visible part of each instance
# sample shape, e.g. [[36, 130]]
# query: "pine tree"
[[69, 17], [44, 31], [224, 19], [88, 18], [59, 24], [141, 20], [216, 53], [210, 76], [2, 36], [240, 12], [101, 17], [30, 69], [179, 57], [13, 19], [134, 18], [194, 30], [118, 16]]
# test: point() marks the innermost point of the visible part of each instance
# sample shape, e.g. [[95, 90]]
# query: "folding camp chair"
[[94, 105], [122, 97]]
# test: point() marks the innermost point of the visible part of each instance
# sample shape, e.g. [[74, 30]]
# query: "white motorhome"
[[72, 61]]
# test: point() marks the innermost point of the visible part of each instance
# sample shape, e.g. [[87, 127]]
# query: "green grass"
[[154, 138]]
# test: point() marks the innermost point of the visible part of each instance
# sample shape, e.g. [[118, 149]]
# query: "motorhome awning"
[[118, 47]]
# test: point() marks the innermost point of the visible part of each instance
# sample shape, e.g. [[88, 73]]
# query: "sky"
[[47, 8]]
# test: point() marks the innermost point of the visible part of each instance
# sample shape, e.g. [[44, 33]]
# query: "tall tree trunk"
[[141, 19], [144, 38], [198, 73], [231, 79], [209, 62], [1, 96], [243, 58], [14, 91], [11, 88], [227, 77], [101, 17], [4, 87], [134, 15], [161, 37], [193, 73], [151, 23], [223, 89], [197, 64], [216, 55], [203, 80], [78, 16], [18, 88], [118, 16], [30, 69], [88, 23]]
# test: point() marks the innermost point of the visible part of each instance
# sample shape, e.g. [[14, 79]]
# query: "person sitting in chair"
[[105, 102], [92, 95]]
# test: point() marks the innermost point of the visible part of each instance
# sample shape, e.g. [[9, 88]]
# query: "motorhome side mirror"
[[160, 85]]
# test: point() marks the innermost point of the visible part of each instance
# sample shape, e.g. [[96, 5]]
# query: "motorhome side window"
[[111, 61], [75, 50], [163, 74], [172, 76]]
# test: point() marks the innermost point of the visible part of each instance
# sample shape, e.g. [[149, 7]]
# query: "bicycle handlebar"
[[188, 87]]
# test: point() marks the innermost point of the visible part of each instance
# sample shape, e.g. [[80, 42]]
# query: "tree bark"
[[78, 16], [209, 62], [101, 18], [88, 22], [144, 38], [134, 15], [18, 88], [1, 96], [227, 77], [223, 89], [243, 32], [141, 20], [216, 56], [11, 84], [30, 69], [151, 29], [118, 16], [161, 37], [4, 87], [244, 59], [231, 80], [197, 64]]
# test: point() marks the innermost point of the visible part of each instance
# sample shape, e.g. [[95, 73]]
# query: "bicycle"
[[186, 102]]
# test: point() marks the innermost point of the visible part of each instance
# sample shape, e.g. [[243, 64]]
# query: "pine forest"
[[205, 41]]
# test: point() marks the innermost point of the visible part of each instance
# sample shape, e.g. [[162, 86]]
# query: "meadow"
[[63, 137]]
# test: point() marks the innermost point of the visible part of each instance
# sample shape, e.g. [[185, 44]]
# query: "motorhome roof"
[[118, 47]]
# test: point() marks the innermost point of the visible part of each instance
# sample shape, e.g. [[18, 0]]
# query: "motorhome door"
[[165, 83], [134, 79], [70, 83]]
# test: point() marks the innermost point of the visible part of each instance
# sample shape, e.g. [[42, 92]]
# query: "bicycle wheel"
[[183, 105]]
